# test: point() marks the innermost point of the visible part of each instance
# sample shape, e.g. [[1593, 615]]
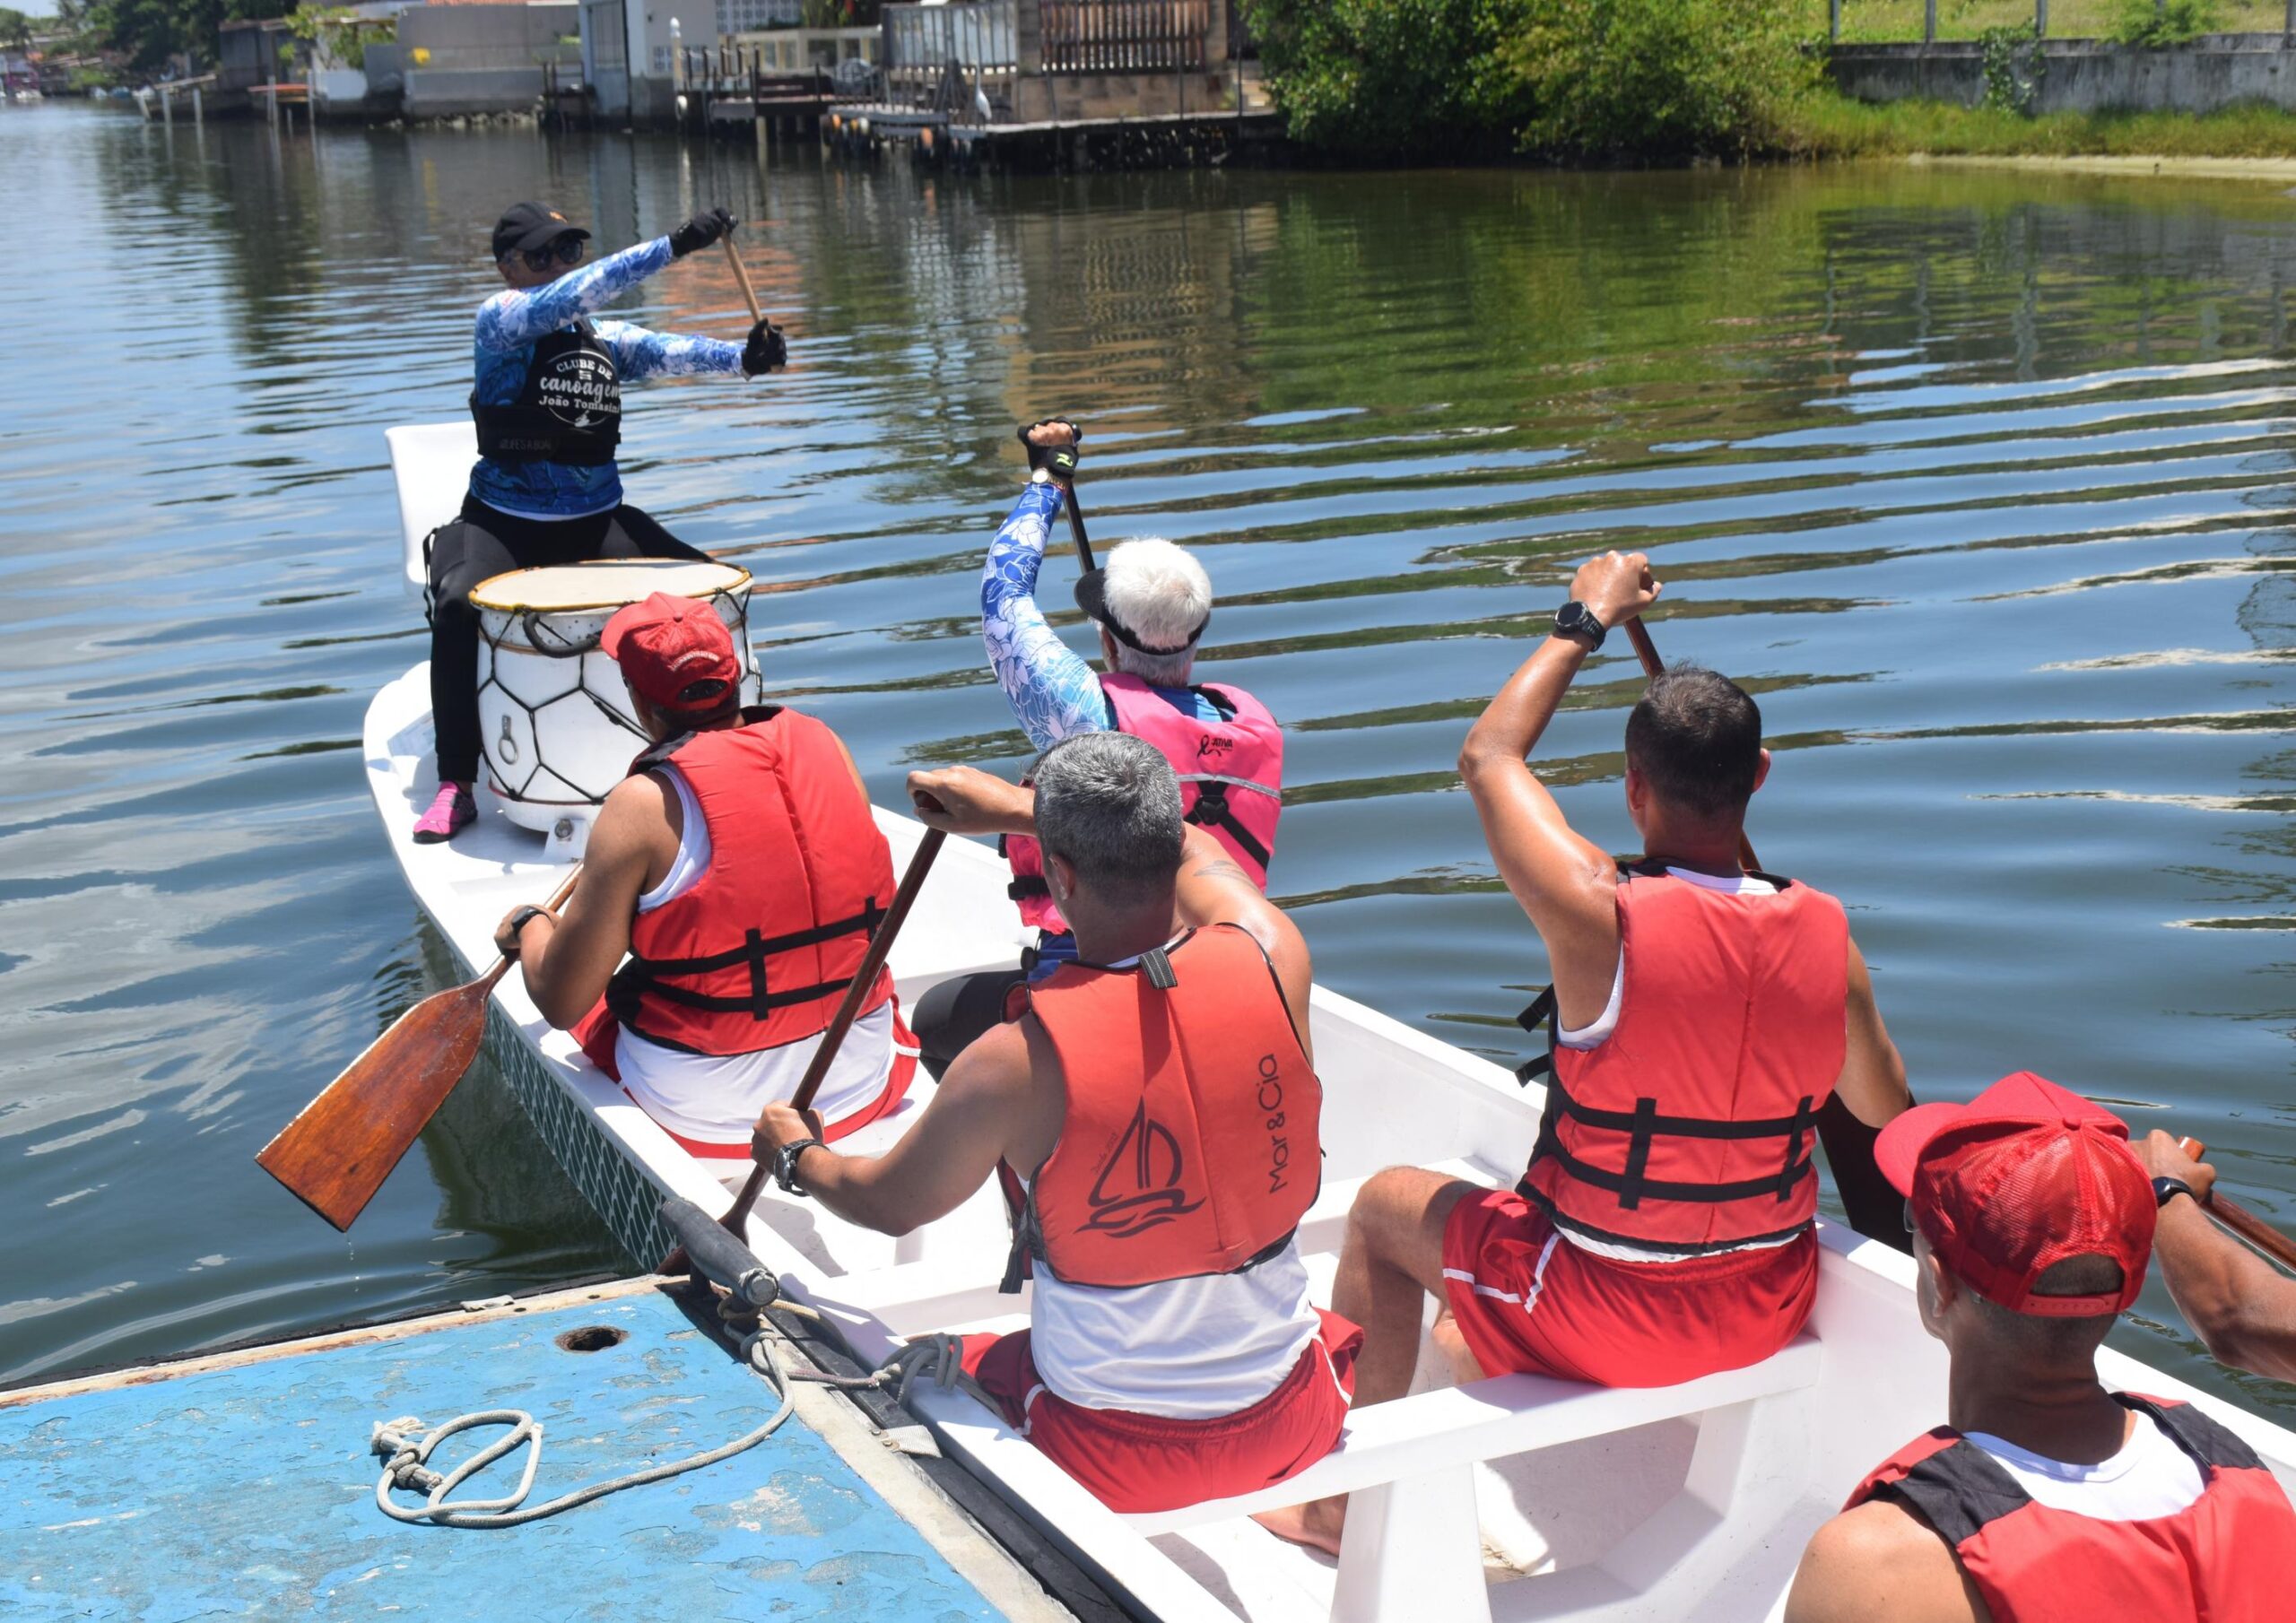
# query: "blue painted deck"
[[249, 1491]]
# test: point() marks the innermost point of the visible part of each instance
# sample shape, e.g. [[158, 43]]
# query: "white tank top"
[[1195, 1349], [2149, 1477]]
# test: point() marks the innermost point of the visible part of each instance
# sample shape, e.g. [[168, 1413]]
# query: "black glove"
[[1060, 458], [766, 349], [700, 232]]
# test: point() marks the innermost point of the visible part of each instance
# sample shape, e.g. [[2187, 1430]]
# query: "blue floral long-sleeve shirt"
[[502, 352], [1052, 692]]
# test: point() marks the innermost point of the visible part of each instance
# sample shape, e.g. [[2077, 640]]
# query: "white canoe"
[[1512, 1498]]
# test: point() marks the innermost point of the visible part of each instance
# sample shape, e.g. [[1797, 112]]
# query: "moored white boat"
[[1514, 1498]]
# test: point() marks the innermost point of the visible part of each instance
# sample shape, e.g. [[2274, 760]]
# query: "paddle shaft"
[[2238, 1219], [1875, 1210], [742, 276], [1076, 532], [1646, 652], [881, 943]]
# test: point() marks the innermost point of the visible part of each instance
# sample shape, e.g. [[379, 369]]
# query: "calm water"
[[1980, 480]]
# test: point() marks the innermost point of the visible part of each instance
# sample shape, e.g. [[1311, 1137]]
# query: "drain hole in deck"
[[593, 1338]]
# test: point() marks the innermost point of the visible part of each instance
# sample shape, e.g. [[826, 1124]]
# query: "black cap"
[[1091, 596], [529, 225]]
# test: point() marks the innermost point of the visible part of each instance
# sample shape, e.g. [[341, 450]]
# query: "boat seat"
[[1413, 1543], [430, 463]]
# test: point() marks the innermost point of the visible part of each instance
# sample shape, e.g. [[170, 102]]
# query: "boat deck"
[[242, 1484]]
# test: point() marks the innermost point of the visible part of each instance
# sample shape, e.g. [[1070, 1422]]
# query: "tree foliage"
[[1596, 78], [2153, 23], [1393, 77], [1664, 78], [151, 31], [15, 29]]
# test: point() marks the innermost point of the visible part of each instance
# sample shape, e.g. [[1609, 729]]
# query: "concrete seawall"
[[2084, 75]]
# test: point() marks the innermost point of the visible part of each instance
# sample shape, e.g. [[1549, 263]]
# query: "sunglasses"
[[566, 250]]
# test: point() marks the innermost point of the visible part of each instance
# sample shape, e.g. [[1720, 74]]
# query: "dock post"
[[1834, 20], [197, 112], [757, 103], [1929, 22], [166, 108], [2040, 18]]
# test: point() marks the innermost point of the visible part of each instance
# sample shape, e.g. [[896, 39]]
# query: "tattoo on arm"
[[1220, 867]]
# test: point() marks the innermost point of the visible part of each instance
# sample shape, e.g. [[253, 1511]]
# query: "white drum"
[[555, 724]]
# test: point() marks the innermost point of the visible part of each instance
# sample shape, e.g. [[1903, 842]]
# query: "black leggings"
[[950, 1017], [484, 542]]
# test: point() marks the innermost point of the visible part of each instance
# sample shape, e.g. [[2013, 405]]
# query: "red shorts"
[[1141, 1461], [1528, 1301]]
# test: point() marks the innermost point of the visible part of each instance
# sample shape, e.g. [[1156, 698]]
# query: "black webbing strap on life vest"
[[1643, 1123], [643, 977], [1212, 810]]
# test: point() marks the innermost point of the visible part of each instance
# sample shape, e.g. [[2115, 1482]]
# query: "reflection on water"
[[1977, 480]]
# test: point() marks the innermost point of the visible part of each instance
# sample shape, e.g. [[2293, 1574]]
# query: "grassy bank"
[[1828, 125]]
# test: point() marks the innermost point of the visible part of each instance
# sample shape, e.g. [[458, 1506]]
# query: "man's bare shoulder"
[[1880, 1563]]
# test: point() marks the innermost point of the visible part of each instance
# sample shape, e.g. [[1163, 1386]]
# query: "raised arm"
[[2238, 1304], [1054, 693], [519, 315], [1564, 882], [640, 352]]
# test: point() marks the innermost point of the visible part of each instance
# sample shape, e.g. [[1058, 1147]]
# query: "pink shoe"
[[453, 812]]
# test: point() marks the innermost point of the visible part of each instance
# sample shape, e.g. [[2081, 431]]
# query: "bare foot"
[[1316, 1524], [1453, 1346]]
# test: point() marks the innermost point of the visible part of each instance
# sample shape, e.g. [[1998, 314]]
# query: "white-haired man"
[[1151, 602]]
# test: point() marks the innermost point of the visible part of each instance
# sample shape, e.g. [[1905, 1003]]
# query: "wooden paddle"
[[1076, 532], [341, 1146], [2238, 1219], [833, 1038], [1875, 1210], [742, 276]]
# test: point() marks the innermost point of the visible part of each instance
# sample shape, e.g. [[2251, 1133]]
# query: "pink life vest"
[[1230, 773]]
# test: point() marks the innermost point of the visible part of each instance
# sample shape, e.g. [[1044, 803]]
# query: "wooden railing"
[[1124, 35]]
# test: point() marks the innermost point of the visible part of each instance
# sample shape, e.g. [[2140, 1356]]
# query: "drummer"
[[546, 489], [740, 869]]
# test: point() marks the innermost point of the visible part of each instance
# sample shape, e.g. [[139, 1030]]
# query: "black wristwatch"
[[523, 917], [784, 1164], [1576, 621], [2165, 1189]]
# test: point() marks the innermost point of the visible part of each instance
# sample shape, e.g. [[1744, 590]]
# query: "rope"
[[406, 1448]]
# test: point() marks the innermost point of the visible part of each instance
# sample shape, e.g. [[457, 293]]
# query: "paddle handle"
[[880, 945], [503, 960], [742, 276], [1076, 532], [2240, 1220], [1646, 652]]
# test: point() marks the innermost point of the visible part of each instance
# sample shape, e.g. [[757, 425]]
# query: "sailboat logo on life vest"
[[1139, 1187]]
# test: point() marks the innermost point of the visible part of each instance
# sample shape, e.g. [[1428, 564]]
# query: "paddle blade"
[[336, 1153]]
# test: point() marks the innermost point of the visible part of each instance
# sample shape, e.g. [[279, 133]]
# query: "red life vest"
[[1190, 1143], [2226, 1558], [757, 954], [1230, 773], [1689, 1129]]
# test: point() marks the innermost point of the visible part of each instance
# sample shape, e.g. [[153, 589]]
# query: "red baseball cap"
[[2023, 1176], [666, 645]]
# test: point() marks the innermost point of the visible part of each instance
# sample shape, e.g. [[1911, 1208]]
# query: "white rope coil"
[[406, 1448]]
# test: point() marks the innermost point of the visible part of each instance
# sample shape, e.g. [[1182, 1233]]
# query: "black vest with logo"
[[569, 410]]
